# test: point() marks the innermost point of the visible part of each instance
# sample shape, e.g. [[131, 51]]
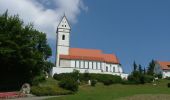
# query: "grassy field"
[[121, 92]]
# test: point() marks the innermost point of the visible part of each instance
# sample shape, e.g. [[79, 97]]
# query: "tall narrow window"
[[113, 69], [106, 69], [63, 37]]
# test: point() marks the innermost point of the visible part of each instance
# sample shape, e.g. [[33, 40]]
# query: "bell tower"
[[63, 39]]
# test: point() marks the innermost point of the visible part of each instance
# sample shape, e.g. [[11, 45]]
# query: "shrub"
[[139, 78], [93, 82], [75, 75], [106, 79], [168, 85], [69, 83], [48, 90], [103, 78], [38, 79], [168, 78], [85, 77], [148, 78], [159, 76], [61, 76]]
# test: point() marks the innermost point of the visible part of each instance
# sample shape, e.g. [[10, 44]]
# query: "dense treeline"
[[141, 75], [23, 52]]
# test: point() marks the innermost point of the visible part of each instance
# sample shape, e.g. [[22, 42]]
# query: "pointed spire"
[[64, 23]]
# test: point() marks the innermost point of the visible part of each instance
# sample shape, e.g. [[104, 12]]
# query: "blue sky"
[[135, 30]]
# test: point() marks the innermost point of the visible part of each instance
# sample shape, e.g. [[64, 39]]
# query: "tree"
[[144, 71], [23, 52], [140, 69], [135, 66], [138, 75], [151, 67]]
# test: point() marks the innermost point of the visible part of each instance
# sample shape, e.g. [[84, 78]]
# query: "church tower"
[[63, 39]]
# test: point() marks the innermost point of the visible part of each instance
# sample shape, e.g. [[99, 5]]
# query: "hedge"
[[106, 79]]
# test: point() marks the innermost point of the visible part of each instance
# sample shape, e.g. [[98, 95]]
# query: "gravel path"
[[33, 98]]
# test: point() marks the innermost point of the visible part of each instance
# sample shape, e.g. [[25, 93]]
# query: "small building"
[[84, 60], [162, 68]]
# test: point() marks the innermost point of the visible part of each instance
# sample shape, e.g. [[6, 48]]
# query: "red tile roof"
[[90, 54], [164, 65]]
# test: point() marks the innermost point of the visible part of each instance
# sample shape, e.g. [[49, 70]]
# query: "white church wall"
[[103, 66], [73, 63], [86, 64], [98, 65], [166, 73], [95, 64], [63, 41], [65, 63], [90, 64], [81, 64], [63, 50]]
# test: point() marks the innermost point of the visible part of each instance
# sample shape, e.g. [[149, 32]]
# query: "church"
[[84, 60]]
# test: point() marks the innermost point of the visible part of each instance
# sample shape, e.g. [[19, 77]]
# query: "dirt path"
[[33, 98]]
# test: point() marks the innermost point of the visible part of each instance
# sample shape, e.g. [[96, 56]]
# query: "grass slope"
[[115, 92], [49, 87]]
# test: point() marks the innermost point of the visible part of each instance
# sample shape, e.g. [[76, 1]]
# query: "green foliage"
[[150, 70], [135, 66], [148, 78], [23, 52], [103, 78], [74, 75], [48, 90], [168, 85], [138, 78], [93, 82], [159, 75], [139, 75], [69, 83], [119, 92], [85, 77], [38, 79], [48, 87]]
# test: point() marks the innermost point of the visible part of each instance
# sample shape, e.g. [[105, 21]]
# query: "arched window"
[[63, 37]]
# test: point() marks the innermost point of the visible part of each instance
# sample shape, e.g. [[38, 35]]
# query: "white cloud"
[[45, 14]]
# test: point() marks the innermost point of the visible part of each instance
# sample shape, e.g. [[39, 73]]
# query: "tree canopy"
[[23, 52]]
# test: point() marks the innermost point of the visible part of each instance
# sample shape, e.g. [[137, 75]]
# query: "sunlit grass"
[[116, 91]]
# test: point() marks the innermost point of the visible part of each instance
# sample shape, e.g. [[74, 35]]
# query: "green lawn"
[[117, 91]]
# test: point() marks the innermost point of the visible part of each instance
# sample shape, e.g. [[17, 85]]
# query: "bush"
[[93, 82], [138, 78], [69, 83], [106, 79], [168, 78], [148, 78], [85, 77], [74, 75], [159, 76], [48, 91], [38, 79], [168, 85]]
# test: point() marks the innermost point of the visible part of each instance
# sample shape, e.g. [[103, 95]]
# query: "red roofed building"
[[84, 60], [162, 67]]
